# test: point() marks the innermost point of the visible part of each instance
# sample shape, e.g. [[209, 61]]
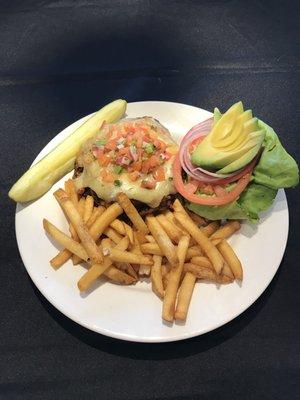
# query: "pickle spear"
[[41, 176]]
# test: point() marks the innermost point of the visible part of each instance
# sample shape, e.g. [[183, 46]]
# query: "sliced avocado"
[[232, 143], [246, 116], [236, 135], [251, 126], [214, 160], [225, 123], [217, 115], [244, 160]]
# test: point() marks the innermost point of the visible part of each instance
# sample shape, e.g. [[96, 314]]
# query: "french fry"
[[61, 257], [193, 251], [162, 240], [165, 279], [120, 277], [150, 239], [171, 229], [71, 191], [92, 274], [169, 301], [106, 244], [97, 269], [206, 273], [202, 261], [182, 250], [73, 233], [144, 270], [105, 219], [231, 258], [170, 216], [86, 239], [132, 213], [113, 235], [64, 240], [81, 206], [165, 269], [209, 229], [102, 222], [184, 296], [141, 237], [127, 268], [129, 232], [227, 271], [209, 249], [201, 272], [129, 257], [197, 219], [131, 271], [118, 226], [135, 248], [88, 208], [64, 255], [225, 231], [151, 248], [96, 213], [156, 277]]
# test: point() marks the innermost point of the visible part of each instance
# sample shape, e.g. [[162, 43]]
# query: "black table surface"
[[60, 60]]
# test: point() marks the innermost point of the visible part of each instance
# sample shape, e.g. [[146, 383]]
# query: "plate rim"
[[126, 336]]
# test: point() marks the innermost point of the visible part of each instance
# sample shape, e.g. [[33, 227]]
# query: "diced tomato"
[[139, 153], [139, 141], [103, 159], [124, 151], [145, 166], [129, 128], [137, 166], [154, 161], [146, 184], [159, 174], [134, 175], [111, 145]]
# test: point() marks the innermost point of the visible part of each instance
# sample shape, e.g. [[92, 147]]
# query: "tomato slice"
[[209, 201]]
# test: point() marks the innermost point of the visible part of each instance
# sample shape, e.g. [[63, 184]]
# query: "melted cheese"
[[108, 191]]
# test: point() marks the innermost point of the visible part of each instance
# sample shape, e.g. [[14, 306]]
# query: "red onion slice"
[[201, 130]]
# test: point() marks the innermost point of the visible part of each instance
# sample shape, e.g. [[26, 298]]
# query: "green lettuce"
[[276, 169]]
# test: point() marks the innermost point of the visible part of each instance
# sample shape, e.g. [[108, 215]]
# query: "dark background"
[[60, 60]]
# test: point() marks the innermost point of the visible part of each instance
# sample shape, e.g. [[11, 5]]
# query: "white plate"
[[134, 313]]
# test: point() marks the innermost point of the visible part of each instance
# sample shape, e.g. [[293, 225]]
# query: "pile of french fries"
[[175, 248]]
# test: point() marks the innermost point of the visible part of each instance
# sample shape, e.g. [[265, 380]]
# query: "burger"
[[134, 156]]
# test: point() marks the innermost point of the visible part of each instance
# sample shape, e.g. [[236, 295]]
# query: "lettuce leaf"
[[228, 211], [276, 169], [255, 199]]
